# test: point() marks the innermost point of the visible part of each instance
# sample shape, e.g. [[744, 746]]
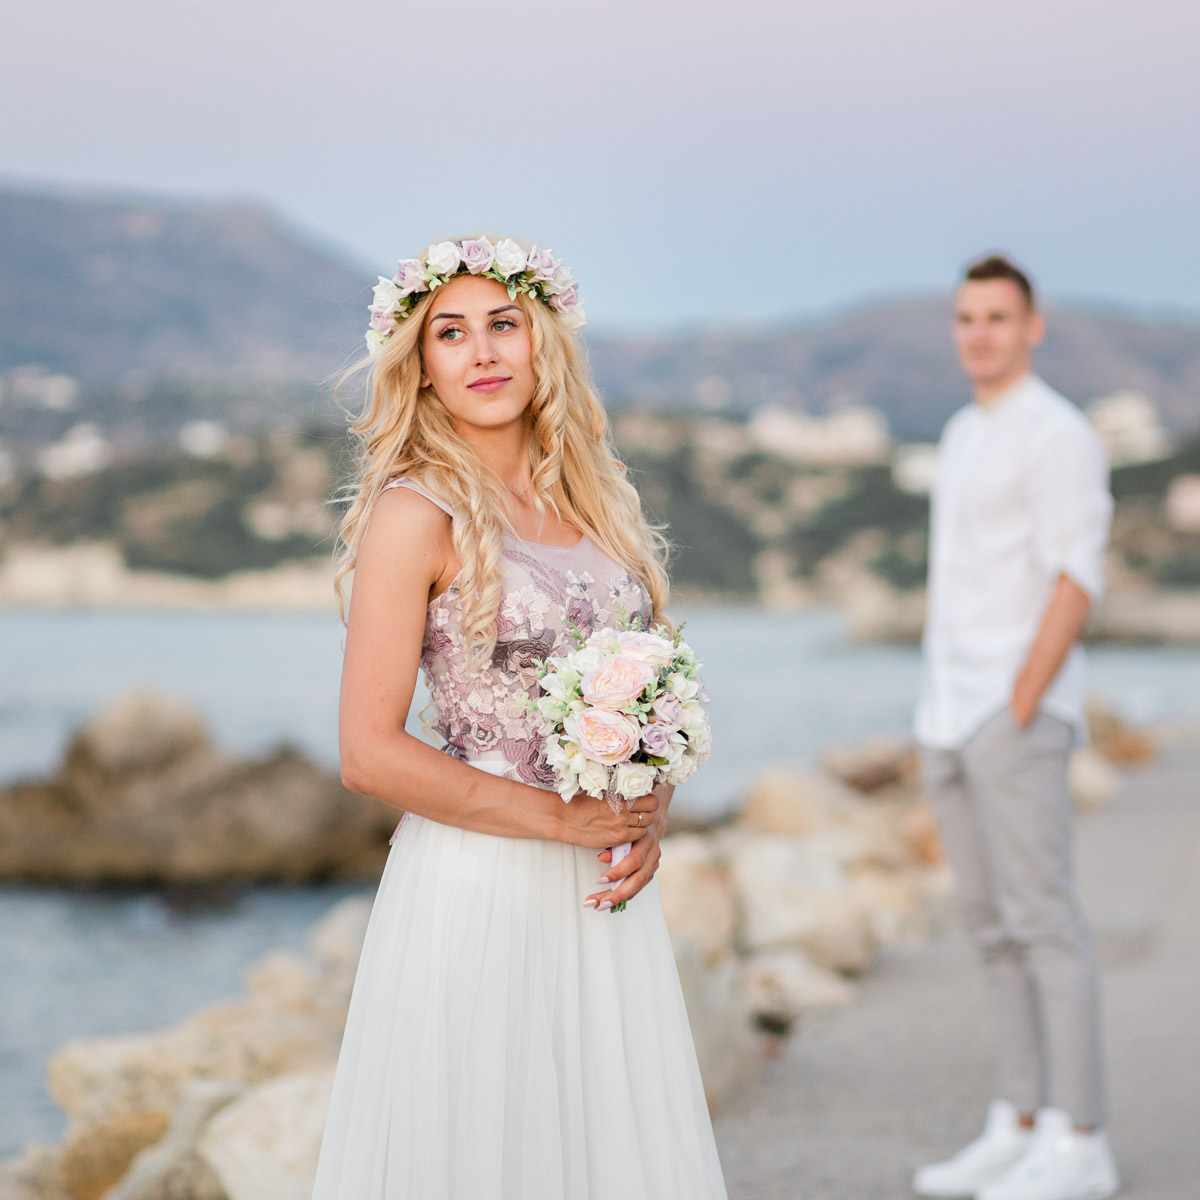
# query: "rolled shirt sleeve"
[[1071, 504]]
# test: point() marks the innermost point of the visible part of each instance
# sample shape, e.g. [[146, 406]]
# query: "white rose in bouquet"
[[593, 778], [635, 779]]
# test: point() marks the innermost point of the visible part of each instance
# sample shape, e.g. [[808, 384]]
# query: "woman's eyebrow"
[[461, 317]]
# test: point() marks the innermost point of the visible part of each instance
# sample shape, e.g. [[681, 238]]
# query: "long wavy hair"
[[404, 430]]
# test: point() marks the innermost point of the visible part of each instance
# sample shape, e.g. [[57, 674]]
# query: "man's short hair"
[[996, 266]]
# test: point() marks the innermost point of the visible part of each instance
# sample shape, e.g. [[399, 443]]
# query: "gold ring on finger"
[[639, 820]]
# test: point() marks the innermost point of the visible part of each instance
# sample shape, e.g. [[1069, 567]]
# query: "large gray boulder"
[[142, 797]]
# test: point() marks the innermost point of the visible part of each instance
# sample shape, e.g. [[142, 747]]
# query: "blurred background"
[[767, 209]]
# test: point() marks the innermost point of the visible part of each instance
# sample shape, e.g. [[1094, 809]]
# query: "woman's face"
[[476, 353]]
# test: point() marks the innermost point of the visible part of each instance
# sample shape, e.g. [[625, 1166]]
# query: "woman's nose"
[[485, 349]]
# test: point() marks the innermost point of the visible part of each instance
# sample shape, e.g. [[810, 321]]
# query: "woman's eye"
[[450, 334], [504, 323]]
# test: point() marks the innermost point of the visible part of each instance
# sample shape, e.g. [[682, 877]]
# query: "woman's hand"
[[591, 822], [639, 866]]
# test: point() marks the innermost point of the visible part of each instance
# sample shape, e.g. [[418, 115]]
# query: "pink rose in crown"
[[478, 255], [384, 322], [616, 681], [409, 277], [542, 263], [605, 736], [567, 299]]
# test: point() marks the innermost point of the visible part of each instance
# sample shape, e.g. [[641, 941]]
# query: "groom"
[[1019, 524]]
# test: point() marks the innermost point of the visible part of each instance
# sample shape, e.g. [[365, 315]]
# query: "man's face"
[[995, 332]]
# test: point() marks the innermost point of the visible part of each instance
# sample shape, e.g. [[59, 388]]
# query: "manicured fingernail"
[[589, 904], [604, 906], [604, 881]]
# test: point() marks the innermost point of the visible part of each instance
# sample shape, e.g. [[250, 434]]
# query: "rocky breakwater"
[[142, 797], [774, 914]]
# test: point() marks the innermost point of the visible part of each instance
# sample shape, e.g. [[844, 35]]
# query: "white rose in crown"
[[575, 319], [510, 258], [443, 259], [386, 296], [560, 283]]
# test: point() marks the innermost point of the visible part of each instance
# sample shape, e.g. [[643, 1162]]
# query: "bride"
[[509, 1038]]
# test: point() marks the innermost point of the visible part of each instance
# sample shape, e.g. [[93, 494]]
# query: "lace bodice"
[[545, 589]]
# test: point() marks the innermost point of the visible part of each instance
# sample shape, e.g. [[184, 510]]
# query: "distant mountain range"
[[898, 357], [104, 290], [109, 292]]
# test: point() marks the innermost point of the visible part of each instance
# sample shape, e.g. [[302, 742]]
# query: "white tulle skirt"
[[505, 1043]]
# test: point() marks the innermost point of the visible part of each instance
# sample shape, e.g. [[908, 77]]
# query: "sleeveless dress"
[[503, 1042]]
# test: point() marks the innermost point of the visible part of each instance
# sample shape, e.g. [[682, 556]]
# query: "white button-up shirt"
[[1020, 498]]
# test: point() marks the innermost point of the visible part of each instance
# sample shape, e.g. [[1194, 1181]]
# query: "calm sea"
[[783, 686]]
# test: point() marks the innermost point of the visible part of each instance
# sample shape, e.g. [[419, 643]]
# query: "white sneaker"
[[1061, 1164], [985, 1160]]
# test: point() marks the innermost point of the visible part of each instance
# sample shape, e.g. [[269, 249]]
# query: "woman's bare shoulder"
[[405, 530]]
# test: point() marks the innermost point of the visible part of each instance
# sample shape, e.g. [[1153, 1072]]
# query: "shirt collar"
[[1007, 399]]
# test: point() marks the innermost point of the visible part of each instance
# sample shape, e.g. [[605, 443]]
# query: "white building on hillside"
[[1183, 504], [83, 450], [914, 466], [1129, 426], [847, 437]]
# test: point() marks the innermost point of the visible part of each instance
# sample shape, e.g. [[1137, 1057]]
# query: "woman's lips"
[[491, 384]]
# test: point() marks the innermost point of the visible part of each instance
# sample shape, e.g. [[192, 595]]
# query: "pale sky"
[[694, 162]]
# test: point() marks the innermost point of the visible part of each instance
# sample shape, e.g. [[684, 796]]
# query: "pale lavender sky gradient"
[[692, 160]]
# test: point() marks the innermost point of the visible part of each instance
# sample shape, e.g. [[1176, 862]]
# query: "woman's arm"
[[406, 557]]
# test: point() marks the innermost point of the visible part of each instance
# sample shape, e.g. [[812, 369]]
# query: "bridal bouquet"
[[625, 711]]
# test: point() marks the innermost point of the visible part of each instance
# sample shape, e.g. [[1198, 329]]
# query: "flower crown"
[[538, 274]]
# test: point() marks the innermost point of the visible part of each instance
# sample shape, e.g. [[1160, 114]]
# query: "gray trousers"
[[1004, 811]]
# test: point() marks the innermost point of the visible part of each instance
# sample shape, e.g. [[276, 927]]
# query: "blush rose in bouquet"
[[625, 710]]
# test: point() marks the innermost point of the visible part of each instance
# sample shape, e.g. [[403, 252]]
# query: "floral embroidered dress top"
[[545, 591]]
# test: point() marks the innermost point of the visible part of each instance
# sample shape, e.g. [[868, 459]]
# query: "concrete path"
[[862, 1096]]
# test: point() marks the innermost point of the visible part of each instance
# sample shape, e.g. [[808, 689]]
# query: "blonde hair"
[[404, 430]]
